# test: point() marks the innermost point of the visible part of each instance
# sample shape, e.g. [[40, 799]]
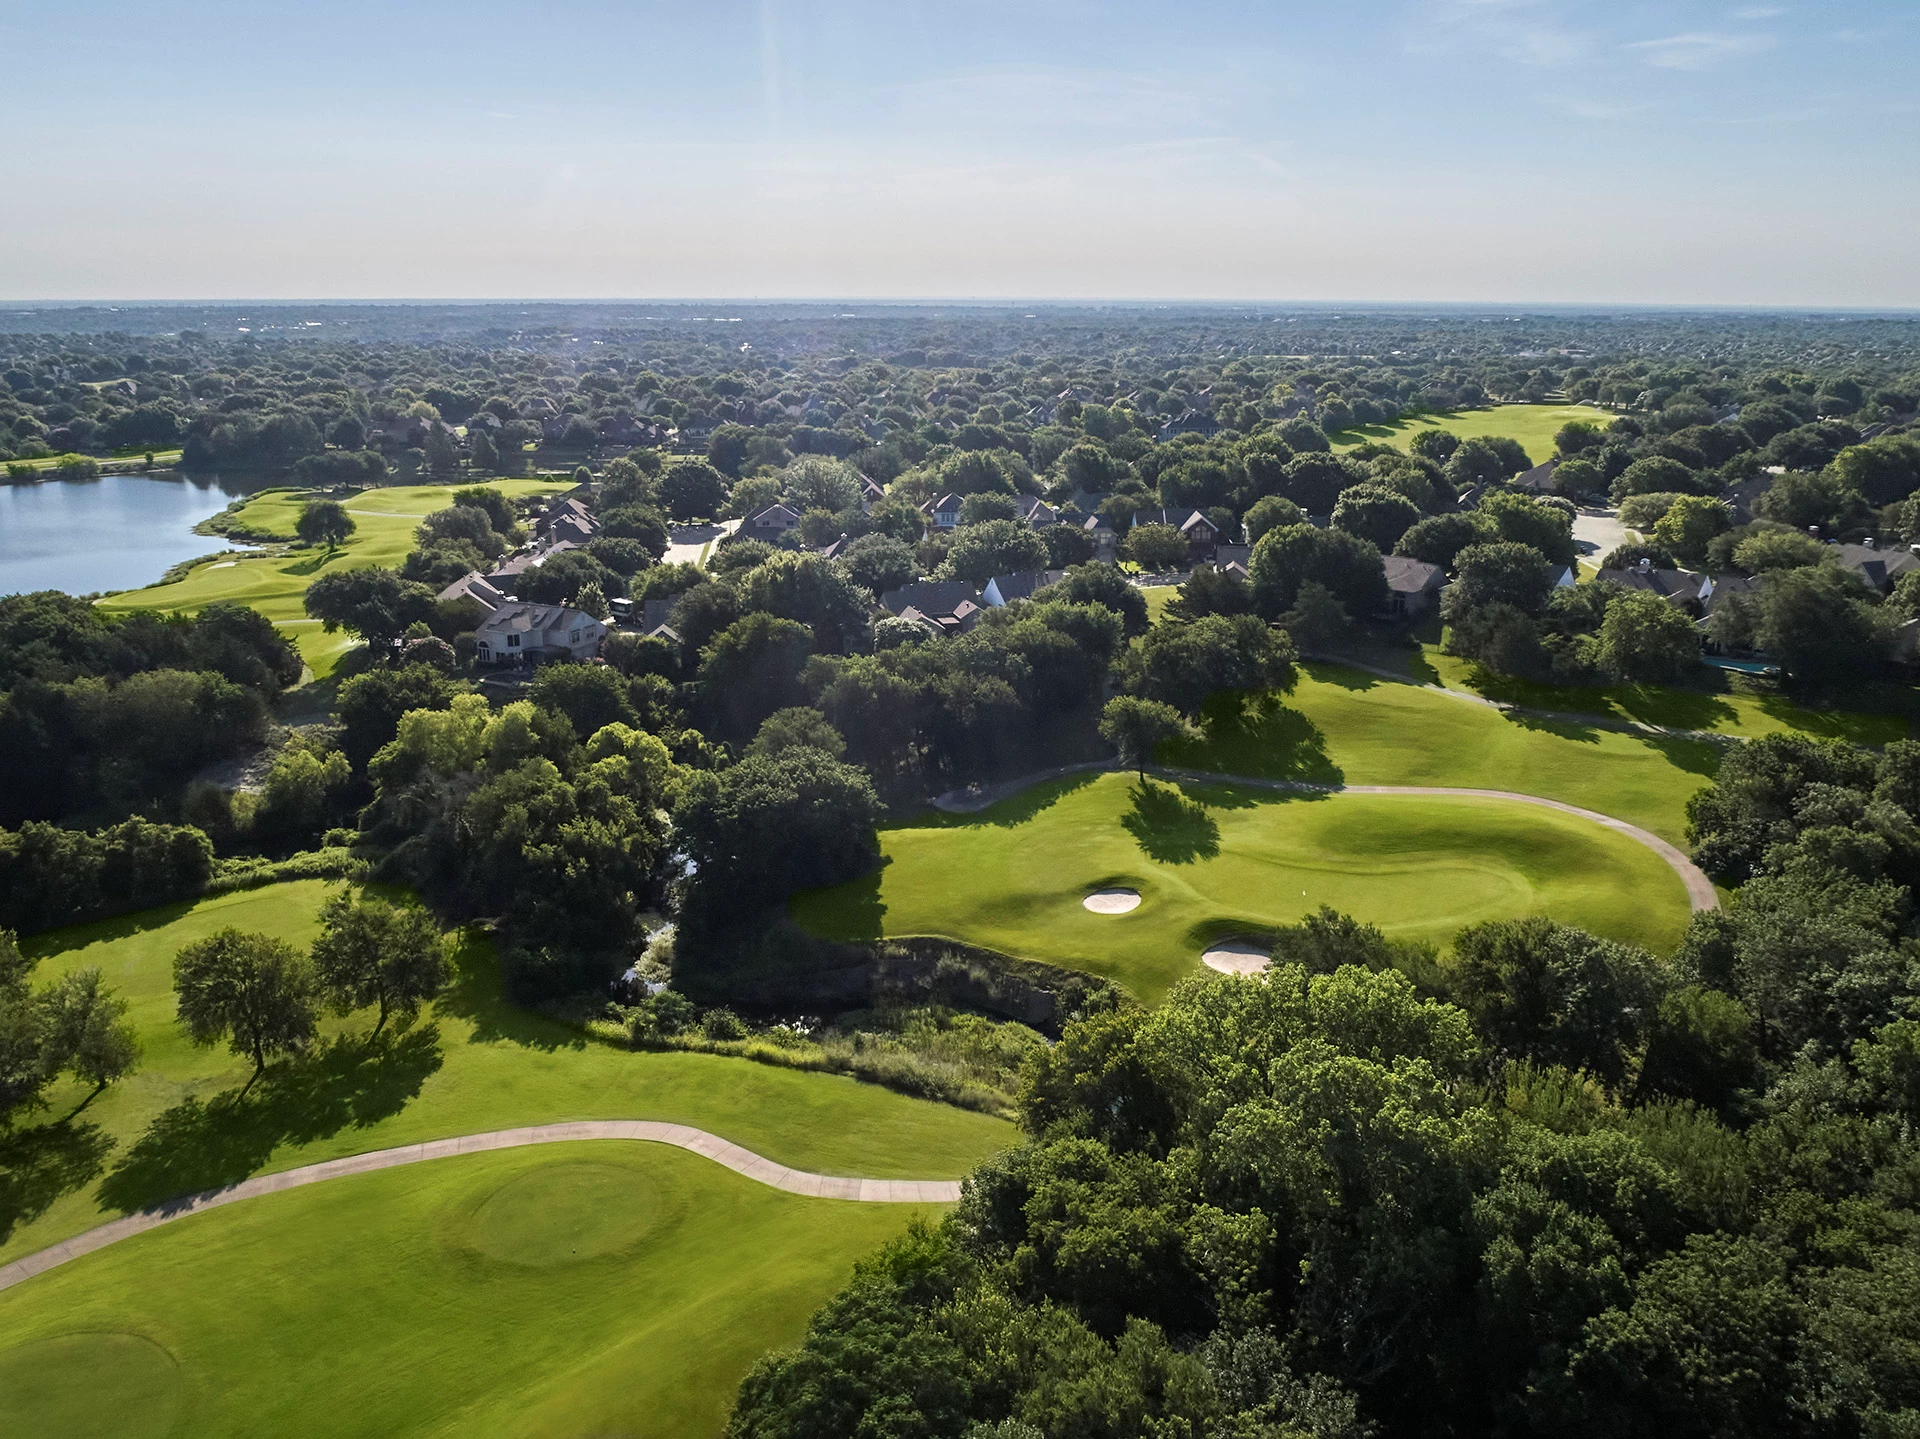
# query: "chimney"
[[1868, 542], [1646, 565]]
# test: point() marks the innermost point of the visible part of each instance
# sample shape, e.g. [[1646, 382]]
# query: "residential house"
[[1037, 513], [1680, 588], [834, 550], [1879, 568], [772, 524], [1200, 533], [1106, 540], [654, 614], [1561, 577], [870, 494], [1538, 480], [478, 588], [951, 606], [529, 634], [1233, 558], [943, 513], [1187, 422], [1003, 590], [1413, 587]]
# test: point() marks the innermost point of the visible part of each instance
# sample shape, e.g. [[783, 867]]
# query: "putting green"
[[276, 584], [1534, 426], [1214, 860], [476, 1063], [439, 1299]]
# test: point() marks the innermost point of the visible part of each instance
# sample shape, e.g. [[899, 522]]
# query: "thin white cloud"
[[1700, 49], [1759, 12], [1527, 32]]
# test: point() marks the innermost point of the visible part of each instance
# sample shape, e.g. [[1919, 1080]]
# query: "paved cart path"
[[1700, 891], [698, 1141]]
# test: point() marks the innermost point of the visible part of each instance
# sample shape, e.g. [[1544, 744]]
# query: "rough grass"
[[600, 1288], [276, 584], [1210, 860], [1343, 726], [475, 1063], [1534, 426]]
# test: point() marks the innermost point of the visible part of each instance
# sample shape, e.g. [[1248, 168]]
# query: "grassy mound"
[[1213, 860], [384, 1304], [277, 584], [475, 1063]]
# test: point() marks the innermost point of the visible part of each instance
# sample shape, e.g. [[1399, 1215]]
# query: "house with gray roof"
[[518, 634]]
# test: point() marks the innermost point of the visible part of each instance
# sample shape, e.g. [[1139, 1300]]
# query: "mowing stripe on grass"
[[681, 1136]]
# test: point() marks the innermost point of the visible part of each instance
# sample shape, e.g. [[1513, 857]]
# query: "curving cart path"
[[697, 1141], [1700, 891]]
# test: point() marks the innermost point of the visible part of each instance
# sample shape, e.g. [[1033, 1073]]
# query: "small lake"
[[114, 533]]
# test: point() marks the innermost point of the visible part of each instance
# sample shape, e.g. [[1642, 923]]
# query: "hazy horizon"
[[1457, 152]]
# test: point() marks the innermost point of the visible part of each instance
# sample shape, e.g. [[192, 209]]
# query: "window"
[[576, 637], [513, 642]]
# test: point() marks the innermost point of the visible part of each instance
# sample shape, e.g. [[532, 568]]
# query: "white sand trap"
[[223, 565], [1236, 956], [1112, 901]]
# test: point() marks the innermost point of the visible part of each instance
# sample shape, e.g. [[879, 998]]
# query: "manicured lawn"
[[1344, 726], [602, 1288], [474, 1064], [161, 459], [1748, 716], [1211, 860], [1534, 426], [276, 584], [1158, 598]]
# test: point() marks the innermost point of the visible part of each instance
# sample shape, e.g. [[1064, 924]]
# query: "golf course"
[[275, 582], [1214, 860], [586, 1288]]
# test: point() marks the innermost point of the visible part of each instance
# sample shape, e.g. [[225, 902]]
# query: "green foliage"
[[1186, 664], [1288, 557], [1645, 640], [373, 953], [324, 522], [1135, 727], [252, 990]]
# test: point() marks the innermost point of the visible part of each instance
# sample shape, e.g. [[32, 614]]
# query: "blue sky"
[[1466, 150]]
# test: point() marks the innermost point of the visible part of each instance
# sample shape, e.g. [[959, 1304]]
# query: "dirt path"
[[697, 1141], [1700, 891]]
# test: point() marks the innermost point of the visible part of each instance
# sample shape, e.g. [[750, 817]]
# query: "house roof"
[[1879, 568], [475, 586], [1407, 576], [782, 516], [1038, 513], [1676, 585], [1187, 521], [534, 619], [1539, 478], [932, 598], [943, 504], [1023, 583]]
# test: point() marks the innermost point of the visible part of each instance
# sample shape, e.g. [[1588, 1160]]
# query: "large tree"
[[1136, 726], [692, 490], [373, 953], [1290, 556], [253, 990], [374, 603], [324, 522]]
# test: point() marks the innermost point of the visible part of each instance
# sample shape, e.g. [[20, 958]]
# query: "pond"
[[118, 532]]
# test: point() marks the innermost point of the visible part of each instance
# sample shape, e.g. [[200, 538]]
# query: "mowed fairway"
[[1212, 860], [276, 584], [1534, 426], [604, 1288], [1342, 726], [475, 1063]]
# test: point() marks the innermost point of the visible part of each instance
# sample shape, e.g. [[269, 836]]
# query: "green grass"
[[1534, 426], [1158, 598], [1211, 860], [601, 1288], [475, 1064], [276, 584], [161, 459], [1342, 726]]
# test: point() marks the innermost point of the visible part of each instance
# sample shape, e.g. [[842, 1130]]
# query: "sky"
[[1424, 150]]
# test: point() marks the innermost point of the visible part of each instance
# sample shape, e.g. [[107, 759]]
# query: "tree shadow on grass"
[[1018, 809], [1170, 827], [1258, 736], [39, 1165], [199, 1145], [477, 996]]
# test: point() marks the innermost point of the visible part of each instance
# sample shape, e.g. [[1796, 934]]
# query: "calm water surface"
[[115, 533]]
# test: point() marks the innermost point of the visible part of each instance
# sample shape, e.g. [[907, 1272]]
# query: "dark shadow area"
[[1695, 756], [1261, 737], [1675, 708], [475, 995], [1329, 672], [1018, 809], [850, 911], [54, 941], [1565, 728], [306, 565], [1170, 827], [348, 1083], [39, 1165]]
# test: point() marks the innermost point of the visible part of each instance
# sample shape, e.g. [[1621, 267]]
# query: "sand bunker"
[[1112, 901], [1236, 956]]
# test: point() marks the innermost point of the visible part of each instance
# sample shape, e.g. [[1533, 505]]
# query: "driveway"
[[1598, 532], [687, 544]]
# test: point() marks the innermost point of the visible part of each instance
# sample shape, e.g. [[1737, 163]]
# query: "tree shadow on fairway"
[[1018, 809], [1694, 756], [1257, 735], [39, 1165], [477, 996], [1170, 827], [199, 1145], [850, 911]]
